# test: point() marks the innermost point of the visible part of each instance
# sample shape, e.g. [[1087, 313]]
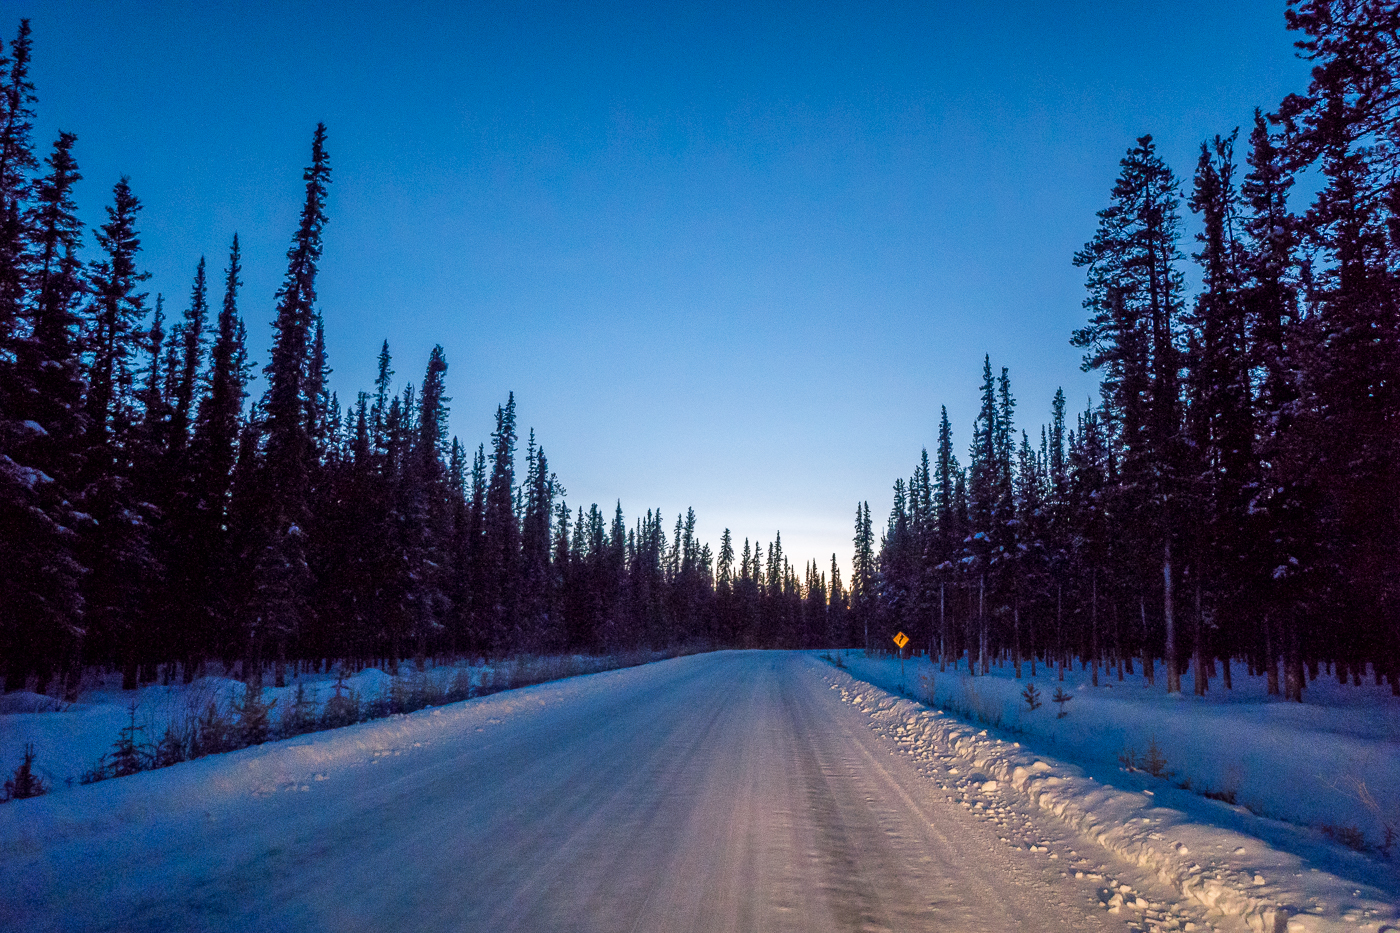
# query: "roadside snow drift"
[[1168, 832]]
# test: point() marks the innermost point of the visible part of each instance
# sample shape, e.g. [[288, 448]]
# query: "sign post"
[[900, 641]]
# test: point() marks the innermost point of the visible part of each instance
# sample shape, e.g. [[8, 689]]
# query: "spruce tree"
[[984, 544], [118, 547], [216, 425], [500, 562], [476, 610], [536, 580], [212, 454], [838, 634], [1135, 305], [191, 360], [17, 162], [282, 578], [724, 590], [422, 512], [863, 571], [172, 482], [116, 312], [561, 574], [1220, 418]]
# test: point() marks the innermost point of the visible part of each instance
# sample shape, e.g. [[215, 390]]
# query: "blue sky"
[[728, 255]]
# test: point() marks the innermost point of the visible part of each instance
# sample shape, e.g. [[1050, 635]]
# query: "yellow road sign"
[[901, 639]]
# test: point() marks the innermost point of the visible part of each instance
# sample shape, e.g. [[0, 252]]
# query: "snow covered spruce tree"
[[41, 391]]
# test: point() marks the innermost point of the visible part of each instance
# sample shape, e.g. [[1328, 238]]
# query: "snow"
[[732, 790], [551, 762], [1284, 761], [1296, 762], [70, 739], [27, 476]]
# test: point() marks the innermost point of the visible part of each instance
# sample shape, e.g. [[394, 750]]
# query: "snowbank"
[[71, 739], [1304, 763], [219, 784], [1199, 846]]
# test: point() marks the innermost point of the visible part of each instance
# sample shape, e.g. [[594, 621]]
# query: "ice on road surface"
[[727, 791]]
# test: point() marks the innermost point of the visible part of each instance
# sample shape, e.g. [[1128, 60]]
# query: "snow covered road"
[[729, 791]]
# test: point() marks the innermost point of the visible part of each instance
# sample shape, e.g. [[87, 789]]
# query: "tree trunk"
[[1094, 625], [1149, 672], [1031, 631], [72, 679], [1169, 621], [968, 633], [943, 629], [1270, 656], [1060, 629], [983, 661], [1202, 683], [1293, 660], [1016, 635]]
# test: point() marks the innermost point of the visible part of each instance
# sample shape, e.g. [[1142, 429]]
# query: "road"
[[732, 791]]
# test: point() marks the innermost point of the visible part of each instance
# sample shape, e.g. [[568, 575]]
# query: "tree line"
[[152, 520], [1234, 494], [1230, 497]]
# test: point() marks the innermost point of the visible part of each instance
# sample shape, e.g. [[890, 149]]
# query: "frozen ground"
[[735, 790]]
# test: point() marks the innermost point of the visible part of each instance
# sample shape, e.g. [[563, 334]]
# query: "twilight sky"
[[731, 255]]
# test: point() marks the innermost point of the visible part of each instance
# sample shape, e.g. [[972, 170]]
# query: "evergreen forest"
[[154, 518], [1230, 497], [1234, 493]]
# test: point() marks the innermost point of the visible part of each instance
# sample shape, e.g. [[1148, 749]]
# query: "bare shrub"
[[1347, 834], [1353, 786], [173, 748], [214, 732], [1151, 761], [926, 688]]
